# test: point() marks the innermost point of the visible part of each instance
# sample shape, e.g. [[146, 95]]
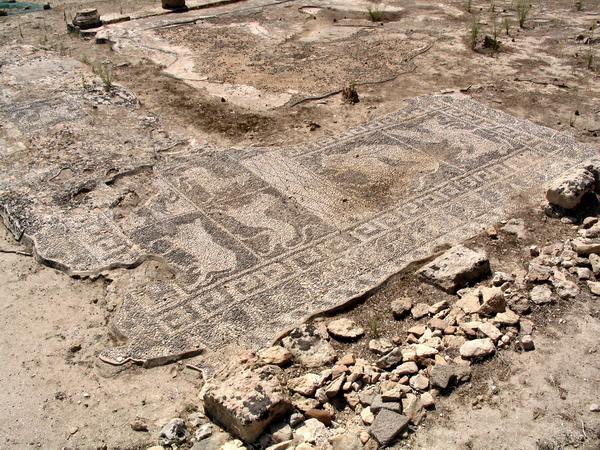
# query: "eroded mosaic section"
[[258, 239]]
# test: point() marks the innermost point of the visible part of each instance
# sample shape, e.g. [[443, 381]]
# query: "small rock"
[[438, 307], [419, 310], [527, 343], [568, 190], [541, 294], [322, 415], [583, 273], [477, 348], [455, 269], [407, 368], [526, 326], [589, 221], [203, 432], [419, 382], [427, 400], [594, 287], [345, 329], [387, 426], [309, 347], [425, 351], [438, 324], [565, 289], [380, 346], [417, 330], [347, 360], [174, 432], [306, 384], [506, 318], [234, 444], [585, 246], [310, 431], [469, 300], [390, 360], [444, 377], [346, 441], [278, 355], [335, 386], [595, 262], [379, 403], [296, 419], [367, 416], [139, 424], [534, 251], [401, 307], [490, 331], [493, 301], [594, 407], [500, 278]]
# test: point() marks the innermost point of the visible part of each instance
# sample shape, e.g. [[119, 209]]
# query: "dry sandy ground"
[[53, 397], [55, 392]]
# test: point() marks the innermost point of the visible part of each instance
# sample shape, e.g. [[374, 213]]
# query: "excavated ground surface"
[[253, 240], [98, 181]]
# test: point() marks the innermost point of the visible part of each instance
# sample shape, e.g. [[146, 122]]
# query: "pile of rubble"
[[303, 395]]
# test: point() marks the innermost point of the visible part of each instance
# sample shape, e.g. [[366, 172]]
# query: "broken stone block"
[[379, 403], [541, 294], [594, 287], [174, 432], [277, 355], [306, 384], [455, 269], [387, 426], [309, 347], [247, 402], [380, 346], [447, 376], [568, 190], [477, 348], [527, 343], [586, 246], [493, 301], [391, 360], [490, 331], [401, 307]]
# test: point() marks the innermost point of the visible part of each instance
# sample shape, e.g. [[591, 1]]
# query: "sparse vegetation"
[[474, 34], [105, 72], [506, 24], [579, 5], [523, 8], [375, 328], [589, 58], [468, 4], [376, 14]]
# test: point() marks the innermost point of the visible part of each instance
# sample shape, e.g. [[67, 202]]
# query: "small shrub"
[[579, 5], [375, 327], [492, 6], [506, 24], [468, 4], [375, 14], [474, 34], [523, 8], [589, 58], [105, 72]]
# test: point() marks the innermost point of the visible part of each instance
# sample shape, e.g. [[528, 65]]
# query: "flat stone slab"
[[255, 240]]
